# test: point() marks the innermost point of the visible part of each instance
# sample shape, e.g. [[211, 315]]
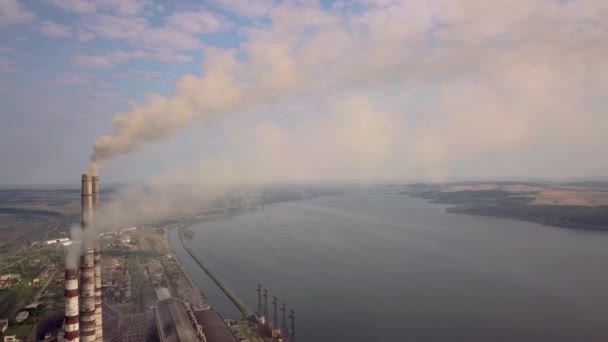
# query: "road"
[[48, 281]]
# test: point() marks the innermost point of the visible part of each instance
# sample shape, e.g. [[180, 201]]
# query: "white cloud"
[[114, 58], [199, 22], [170, 43], [71, 79], [180, 33], [84, 36], [7, 64], [123, 7], [14, 12], [247, 8], [119, 7], [469, 80], [96, 62], [76, 6], [135, 74], [51, 29]]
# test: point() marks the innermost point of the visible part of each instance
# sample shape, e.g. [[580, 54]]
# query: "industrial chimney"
[[70, 323], [87, 264], [97, 263]]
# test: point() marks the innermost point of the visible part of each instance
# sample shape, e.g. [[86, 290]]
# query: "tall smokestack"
[[97, 273], [87, 265], [86, 201], [95, 191], [70, 323], [97, 263]]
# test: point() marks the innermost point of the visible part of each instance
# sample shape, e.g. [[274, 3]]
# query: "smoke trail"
[[196, 98], [487, 93], [74, 250]]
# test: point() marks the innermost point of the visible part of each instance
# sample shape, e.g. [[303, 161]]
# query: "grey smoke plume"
[[494, 74], [196, 98], [74, 250]]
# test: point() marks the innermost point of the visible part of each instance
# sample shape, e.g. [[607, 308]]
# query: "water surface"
[[394, 268]]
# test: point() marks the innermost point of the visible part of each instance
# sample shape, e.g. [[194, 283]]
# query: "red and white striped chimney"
[[71, 319], [87, 265], [97, 265], [98, 316]]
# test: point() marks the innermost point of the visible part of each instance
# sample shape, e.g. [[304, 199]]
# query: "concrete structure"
[[22, 316], [71, 319], [10, 276], [59, 240], [162, 293], [173, 322], [97, 265], [127, 287], [83, 306], [98, 313], [213, 326], [87, 265], [87, 297]]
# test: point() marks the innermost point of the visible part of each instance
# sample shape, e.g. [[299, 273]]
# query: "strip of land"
[[571, 206]]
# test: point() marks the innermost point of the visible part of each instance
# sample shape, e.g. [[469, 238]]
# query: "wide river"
[[395, 268]]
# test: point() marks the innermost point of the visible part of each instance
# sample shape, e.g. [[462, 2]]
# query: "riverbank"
[[244, 310], [358, 261], [505, 204]]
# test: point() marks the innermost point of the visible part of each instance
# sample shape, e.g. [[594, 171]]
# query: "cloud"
[[75, 6], [198, 22], [72, 79], [7, 64], [246, 8], [169, 43], [96, 62], [13, 12], [479, 78], [51, 29], [137, 74], [124, 7], [180, 31], [119, 7], [84, 36], [114, 58]]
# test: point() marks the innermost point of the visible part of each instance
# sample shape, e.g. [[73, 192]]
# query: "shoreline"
[[245, 311], [184, 271], [581, 218]]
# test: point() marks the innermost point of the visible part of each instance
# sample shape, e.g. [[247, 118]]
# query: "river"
[[395, 268]]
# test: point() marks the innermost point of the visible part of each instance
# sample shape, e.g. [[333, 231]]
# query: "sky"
[[276, 91]]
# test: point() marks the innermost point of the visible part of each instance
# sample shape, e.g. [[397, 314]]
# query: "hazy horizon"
[[76, 185]]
